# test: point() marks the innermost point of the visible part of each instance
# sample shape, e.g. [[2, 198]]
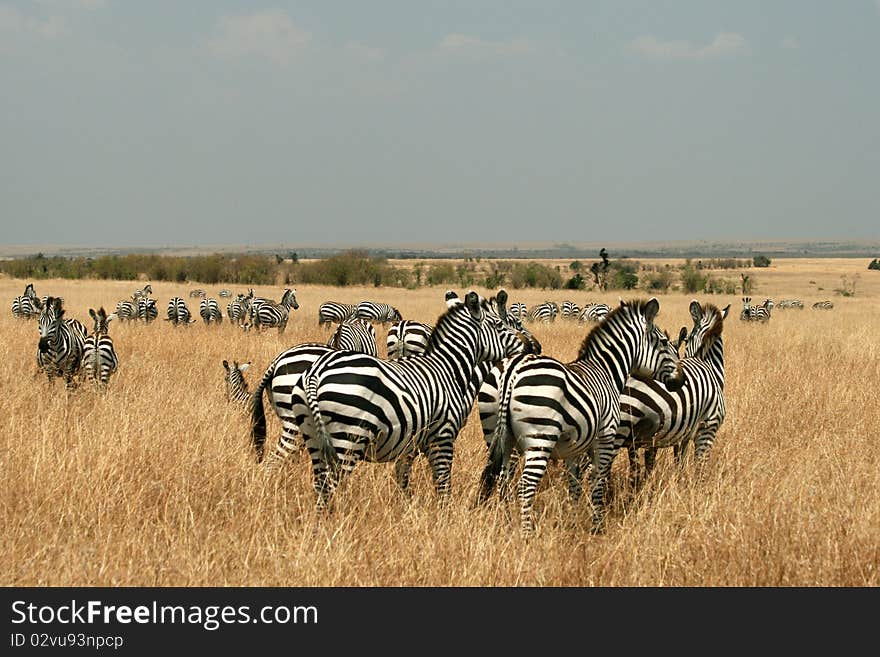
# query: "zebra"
[[236, 385], [544, 312], [333, 311], [177, 313], [60, 349], [570, 310], [550, 409], [381, 313], [224, 293], [197, 293], [355, 335], [519, 310], [790, 303], [147, 311], [27, 305], [239, 309], [823, 305], [127, 309], [268, 313], [145, 291], [652, 417], [594, 312], [407, 338], [354, 407], [209, 310], [100, 361], [752, 313]]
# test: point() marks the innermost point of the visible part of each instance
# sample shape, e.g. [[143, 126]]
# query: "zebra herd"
[[761, 313], [548, 311]]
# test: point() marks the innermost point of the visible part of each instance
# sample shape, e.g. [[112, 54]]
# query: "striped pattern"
[[544, 312], [519, 310], [594, 312], [198, 293], [570, 310], [268, 314], [224, 293], [60, 349], [752, 313], [823, 305], [381, 313], [569, 411], [209, 311], [127, 310], [147, 311], [27, 306], [653, 417], [790, 303], [239, 309], [100, 361], [333, 312], [235, 383], [407, 338], [355, 335], [145, 291], [177, 312]]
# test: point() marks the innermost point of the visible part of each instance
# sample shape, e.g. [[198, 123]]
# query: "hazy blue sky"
[[168, 122]]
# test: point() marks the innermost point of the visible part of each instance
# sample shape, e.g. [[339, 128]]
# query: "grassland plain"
[[153, 483]]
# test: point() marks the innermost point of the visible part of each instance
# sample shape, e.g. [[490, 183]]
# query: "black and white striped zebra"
[[209, 311], [28, 305], [653, 417], [177, 312], [752, 313], [224, 293], [570, 411], [355, 334], [544, 312], [145, 291], [569, 310], [790, 303], [519, 310], [238, 310], [100, 361], [147, 310], [407, 338], [235, 383], [380, 313], [354, 407], [594, 312], [823, 305], [60, 349], [333, 312], [197, 293], [127, 310], [268, 314]]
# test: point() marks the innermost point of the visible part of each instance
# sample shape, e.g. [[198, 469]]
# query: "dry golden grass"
[[154, 484]]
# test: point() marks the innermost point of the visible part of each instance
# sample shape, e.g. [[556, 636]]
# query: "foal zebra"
[[568, 411], [268, 313], [382, 313], [27, 305], [356, 407], [407, 338], [652, 417], [60, 349], [355, 335], [209, 310], [177, 312], [99, 355], [544, 312], [331, 312], [236, 386]]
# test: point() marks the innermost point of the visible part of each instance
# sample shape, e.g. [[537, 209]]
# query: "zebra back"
[[209, 311], [236, 385], [382, 313], [355, 334], [333, 312], [60, 349], [99, 354], [407, 338]]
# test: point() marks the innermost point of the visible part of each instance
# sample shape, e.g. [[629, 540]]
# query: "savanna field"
[[153, 483]]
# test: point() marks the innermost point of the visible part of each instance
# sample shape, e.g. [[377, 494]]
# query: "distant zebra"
[[236, 385], [147, 311], [177, 313], [270, 314], [519, 310], [127, 310], [198, 293], [594, 312], [354, 407], [752, 313], [225, 293], [60, 349], [790, 303], [407, 338], [355, 335], [571, 411], [99, 356], [382, 313], [239, 309], [145, 291], [544, 312], [823, 305], [652, 418], [209, 311], [570, 310], [331, 312], [27, 305]]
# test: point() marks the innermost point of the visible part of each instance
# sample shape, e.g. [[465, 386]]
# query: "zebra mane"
[[454, 307], [715, 329], [635, 305]]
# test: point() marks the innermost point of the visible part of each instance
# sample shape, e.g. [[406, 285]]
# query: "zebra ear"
[[725, 311], [225, 364], [651, 309], [244, 367], [92, 314], [696, 311], [472, 301], [501, 298], [622, 302], [682, 336]]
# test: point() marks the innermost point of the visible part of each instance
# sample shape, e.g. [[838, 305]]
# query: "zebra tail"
[[258, 414], [327, 451], [502, 438]]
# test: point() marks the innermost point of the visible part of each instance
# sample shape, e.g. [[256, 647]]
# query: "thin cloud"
[[72, 4], [792, 43], [723, 45], [466, 43], [362, 51], [271, 34], [13, 21]]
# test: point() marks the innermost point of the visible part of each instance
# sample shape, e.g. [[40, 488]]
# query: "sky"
[[413, 122]]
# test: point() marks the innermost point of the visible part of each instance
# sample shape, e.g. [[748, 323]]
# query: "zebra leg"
[[573, 474], [288, 442], [535, 458], [439, 455], [402, 469], [636, 473], [603, 455], [702, 447], [505, 482], [650, 460]]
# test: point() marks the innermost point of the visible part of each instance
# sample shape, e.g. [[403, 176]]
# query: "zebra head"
[[656, 356], [708, 324], [236, 386], [530, 342], [49, 322], [101, 321], [289, 299], [497, 340]]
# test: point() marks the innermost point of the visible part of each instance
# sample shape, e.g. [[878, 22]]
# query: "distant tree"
[[761, 261], [875, 264], [294, 257], [575, 266], [746, 283]]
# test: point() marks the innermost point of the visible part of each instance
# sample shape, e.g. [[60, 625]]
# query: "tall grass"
[[153, 483]]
